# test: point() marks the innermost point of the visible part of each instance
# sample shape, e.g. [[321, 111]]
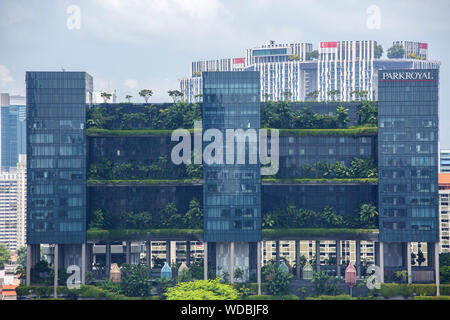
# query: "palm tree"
[[128, 97], [146, 94], [106, 96], [175, 95], [287, 95]]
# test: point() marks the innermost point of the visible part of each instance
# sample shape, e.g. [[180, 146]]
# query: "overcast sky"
[[133, 44]]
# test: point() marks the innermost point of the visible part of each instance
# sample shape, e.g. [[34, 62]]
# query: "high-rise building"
[[444, 161], [232, 190], [56, 156], [408, 161], [8, 209], [21, 201], [444, 212], [12, 129]]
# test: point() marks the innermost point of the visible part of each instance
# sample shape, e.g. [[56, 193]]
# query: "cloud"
[[130, 83], [5, 77]]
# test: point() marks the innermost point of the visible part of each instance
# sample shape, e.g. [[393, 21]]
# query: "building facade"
[[444, 212], [56, 179], [12, 129], [413, 49], [444, 161], [8, 209]]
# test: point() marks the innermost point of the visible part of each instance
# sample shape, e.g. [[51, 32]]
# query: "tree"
[[294, 57], [367, 113], [128, 97], [136, 280], [170, 218], [146, 94], [202, 290], [193, 219], [332, 93], [175, 95], [97, 222], [378, 51], [5, 255], [277, 279], [266, 96], [313, 55], [312, 95], [368, 215], [22, 256], [395, 52], [106, 96], [342, 116], [324, 284], [420, 258], [198, 97]]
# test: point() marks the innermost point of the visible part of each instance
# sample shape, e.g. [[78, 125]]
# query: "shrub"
[[202, 290], [337, 297]]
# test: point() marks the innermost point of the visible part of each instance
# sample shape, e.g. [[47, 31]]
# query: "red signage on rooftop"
[[423, 45], [238, 60], [328, 44]]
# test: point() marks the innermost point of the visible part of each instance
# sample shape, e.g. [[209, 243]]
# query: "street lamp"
[[350, 276]]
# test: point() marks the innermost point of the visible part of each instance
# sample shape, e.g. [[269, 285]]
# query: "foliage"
[[269, 297], [432, 298], [444, 272], [395, 52], [4, 255], [277, 279], [146, 94], [293, 217], [136, 280], [194, 217], [332, 297], [202, 290], [175, 95], [368, 215], [367, 114], [108, 285], [389, 290], [324, 284], [184, 275], [313, 54], [378, 51], [97, 221]]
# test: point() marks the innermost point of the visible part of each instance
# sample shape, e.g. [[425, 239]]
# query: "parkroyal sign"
[[408, 76]]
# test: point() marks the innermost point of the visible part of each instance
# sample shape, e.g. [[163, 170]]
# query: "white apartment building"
[[8, 209], [444, 212], [21, 201], [418, 49]]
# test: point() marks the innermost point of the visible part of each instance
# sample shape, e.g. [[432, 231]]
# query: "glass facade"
[[408, 155], [231, 192], [56, 162], [12, 134]]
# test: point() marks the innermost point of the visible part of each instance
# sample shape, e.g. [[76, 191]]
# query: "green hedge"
[[362, 131], [432, 298], [269, 297], [338, 297], [389, 290], [315, 232], [326, 181], [85, 291], [96, 234], [143, 181]]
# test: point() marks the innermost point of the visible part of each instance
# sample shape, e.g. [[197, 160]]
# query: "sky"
[[128, 45]]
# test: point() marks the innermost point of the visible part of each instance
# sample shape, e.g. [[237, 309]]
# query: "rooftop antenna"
[[63, 70]]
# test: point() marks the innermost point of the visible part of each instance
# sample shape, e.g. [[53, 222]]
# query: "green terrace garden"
[[278, 115]]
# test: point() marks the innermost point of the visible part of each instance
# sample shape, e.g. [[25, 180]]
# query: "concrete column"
[[148, 253], [381, 262], [408, 262], [377, 253], [56, 267], [258, 264], [297, 257], [168, 252], [277, 251], [29, 259], [108, 258], [436, 267], [83, 263], [205, 260], [338, 258], [358, 258], [231, 262], [188, 253], [128, 252], [317, 255]]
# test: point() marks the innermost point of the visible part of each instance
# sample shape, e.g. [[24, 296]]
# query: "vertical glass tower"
[[56, 161], [408, 155], [232, 192]]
